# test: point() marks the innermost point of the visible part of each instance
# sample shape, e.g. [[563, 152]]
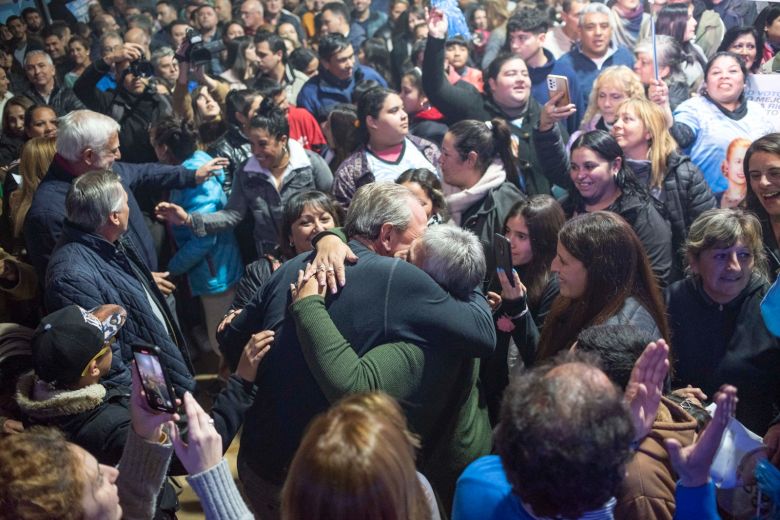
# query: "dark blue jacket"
[[324, 90], [89, 271], [43, 224], [385, 300], [587, 71], [539, 90]]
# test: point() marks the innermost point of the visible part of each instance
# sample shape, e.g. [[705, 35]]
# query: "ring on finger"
[[330, 269], [321, 268]]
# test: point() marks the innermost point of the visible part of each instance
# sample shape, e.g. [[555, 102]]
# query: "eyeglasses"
[[102, 352]]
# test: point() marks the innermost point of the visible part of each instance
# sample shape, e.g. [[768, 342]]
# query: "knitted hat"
[[67, 340]]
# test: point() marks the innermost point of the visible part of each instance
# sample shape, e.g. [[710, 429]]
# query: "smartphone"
[[502, 251], [154, 378], [556, 84]]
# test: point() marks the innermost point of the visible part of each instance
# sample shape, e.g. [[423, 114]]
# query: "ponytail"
[[503, 148]]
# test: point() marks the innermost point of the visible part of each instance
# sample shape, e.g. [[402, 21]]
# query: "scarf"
[[630, 22], [737, 114], [459, 202]]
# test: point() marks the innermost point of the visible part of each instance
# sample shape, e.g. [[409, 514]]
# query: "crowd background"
[[431, 286]]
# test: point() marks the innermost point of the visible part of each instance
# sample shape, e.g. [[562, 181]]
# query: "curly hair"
[[617, 76], [40, 477]]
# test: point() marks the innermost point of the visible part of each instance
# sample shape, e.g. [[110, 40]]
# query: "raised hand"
[[693, 462], [437, 23], [551, 113], [645, 387]]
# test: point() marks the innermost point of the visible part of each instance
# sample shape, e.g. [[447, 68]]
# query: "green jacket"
[[437, 389]]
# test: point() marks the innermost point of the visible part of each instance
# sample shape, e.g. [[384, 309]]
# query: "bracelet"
[[523, 313]]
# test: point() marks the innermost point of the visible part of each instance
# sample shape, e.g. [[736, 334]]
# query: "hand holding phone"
[[154, 378], [502, 252], [557, 84]]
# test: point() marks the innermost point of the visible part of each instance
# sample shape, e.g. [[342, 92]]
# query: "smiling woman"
[[762, 167], [715, 319], [705, 125]]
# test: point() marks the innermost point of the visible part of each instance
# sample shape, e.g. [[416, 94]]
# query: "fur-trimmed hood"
[[39, 400]]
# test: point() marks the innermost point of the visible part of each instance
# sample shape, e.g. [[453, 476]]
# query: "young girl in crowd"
[[733, 169], [78, 52], [387, 150], [212, 264], [241, 64], [532, 227], [604, 276], [426, 186], [425, 121]]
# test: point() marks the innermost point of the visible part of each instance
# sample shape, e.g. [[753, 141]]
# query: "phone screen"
[[153, 380], [502, 251]]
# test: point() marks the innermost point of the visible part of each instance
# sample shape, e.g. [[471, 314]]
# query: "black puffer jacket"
[[62, 100], [687, 196], [638, 209]]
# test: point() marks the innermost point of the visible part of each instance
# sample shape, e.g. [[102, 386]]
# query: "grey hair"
[[45, 54], [162, 52], [82, 129], [454, 257], [668, 49], [376, 204], [92, 198], [594, 8]]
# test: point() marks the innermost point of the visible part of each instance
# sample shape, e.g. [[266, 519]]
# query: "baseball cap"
[[67, 340]]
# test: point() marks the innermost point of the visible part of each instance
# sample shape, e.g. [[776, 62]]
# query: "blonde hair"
[[37, 154], [619, 76], [662, 144], [356, 462], [496, 13]]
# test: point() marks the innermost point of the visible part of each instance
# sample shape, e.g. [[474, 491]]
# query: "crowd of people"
[[483, 260]]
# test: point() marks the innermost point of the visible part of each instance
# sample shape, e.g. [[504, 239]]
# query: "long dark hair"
[[672, 21], [735, 32], [489, 140], [770, 143], [606, 147], [618, 268], [342, 119], [236, 56], [544, 218]]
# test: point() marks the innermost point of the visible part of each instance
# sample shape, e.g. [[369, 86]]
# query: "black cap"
[[67, 340]]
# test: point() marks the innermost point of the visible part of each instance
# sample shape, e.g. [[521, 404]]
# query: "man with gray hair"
[[436, 387], [596, 50], [94, 264], [166, 68], [41, 73], [87, 141], [386, 300]]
